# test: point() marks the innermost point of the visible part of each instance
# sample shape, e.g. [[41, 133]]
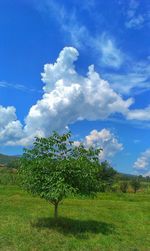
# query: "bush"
[[8, 177], [115, 187], [107, 176], [135, 184], [124, 186]]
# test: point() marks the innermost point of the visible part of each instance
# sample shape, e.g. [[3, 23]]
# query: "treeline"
[[110, 180], [113, 181], [57, 156]]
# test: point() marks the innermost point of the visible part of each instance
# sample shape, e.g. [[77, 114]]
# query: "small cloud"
[[142, 164], [139, 114], [135, 18], [10, 127], [135, 22], [111, 56], [103, 139], [136, 141]]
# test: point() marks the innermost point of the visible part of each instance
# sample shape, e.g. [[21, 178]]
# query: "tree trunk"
[[56, 211]]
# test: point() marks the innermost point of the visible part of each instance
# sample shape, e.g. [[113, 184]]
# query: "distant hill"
[[127, 176], [6, 159]]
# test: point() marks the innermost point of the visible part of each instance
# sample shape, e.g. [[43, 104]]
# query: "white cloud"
[[135, 19], [142, 164], [139, 114], [68, 97], [64, 67], [78, 33], [7, 115], [107, 52], [136, 76], [135, 22], [10, 127], [20, 87], [68, 22], [106, 140], [110, 55], [11, 133], [101, 45]]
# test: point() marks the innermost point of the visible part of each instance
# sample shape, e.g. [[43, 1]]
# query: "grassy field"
[[110, 222]]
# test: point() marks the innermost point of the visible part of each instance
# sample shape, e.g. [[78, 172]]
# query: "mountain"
[[7, 159]]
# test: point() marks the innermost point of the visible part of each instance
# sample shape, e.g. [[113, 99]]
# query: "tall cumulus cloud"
[[68, 97]]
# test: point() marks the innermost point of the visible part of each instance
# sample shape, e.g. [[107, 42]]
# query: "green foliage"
[[115, 187], [135, 184], [55, 168], [124, 186], [8, 177], [14, 163], [107, 176]]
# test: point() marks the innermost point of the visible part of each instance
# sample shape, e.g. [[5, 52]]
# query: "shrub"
[[135, 184], [8, 177], [124, 186]]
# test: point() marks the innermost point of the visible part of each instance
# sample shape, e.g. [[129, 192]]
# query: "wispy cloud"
[[135, 22], [135, 19], [136, 76], [101, 44], [19, 87], [136, 141], [68, 21], [111, 55], [139, 114]]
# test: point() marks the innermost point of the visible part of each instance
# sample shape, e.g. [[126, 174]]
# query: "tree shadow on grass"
[[75, 226]]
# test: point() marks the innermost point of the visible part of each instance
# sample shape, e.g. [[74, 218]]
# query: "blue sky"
[[105, 105]]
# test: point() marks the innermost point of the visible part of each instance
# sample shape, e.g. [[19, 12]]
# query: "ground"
[[110, 222]]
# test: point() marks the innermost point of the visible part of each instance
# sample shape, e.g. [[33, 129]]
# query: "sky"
[[77, 65]]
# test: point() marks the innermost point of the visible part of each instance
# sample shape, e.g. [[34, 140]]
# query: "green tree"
[[55, 168], [106, 175], [135, 184], [124, 186]]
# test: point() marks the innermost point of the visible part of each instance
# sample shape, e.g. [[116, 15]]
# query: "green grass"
[[112, 222]]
